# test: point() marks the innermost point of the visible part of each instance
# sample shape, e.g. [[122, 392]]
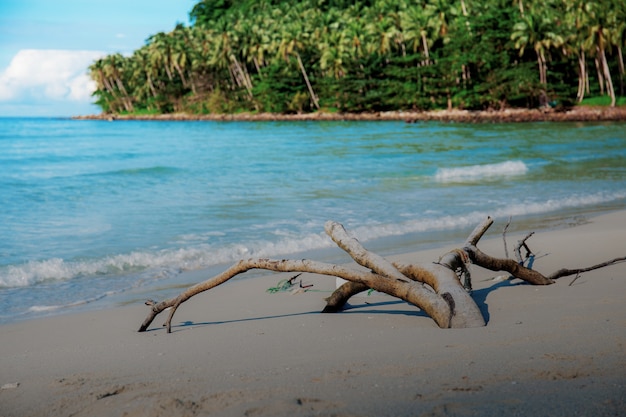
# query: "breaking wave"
[[170, 262], [476, 172]]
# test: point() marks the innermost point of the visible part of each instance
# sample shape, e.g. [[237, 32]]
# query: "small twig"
[[305, 286], [506, 250], [293, 278], [575, 278], [566, 272], [284, 284], [520, 244]]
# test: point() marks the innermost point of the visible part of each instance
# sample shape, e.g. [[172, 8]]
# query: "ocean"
[[95, 214]]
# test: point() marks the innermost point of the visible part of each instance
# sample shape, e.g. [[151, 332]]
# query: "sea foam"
[[476, 172], [154, 265], [161, 264]]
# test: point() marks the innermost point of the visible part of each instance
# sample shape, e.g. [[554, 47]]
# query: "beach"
[[507, 115], [238, 350]]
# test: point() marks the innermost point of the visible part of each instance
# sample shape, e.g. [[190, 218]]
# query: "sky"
[[46, 47]]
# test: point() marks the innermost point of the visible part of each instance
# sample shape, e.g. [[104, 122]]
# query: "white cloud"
[[48, 74]]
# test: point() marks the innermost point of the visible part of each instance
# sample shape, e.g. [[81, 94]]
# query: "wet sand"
[[238, 350]]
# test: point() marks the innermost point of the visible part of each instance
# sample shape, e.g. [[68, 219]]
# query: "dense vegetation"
[[355, 56]]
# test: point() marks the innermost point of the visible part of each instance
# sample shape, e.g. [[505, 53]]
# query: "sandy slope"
[[558, 350]]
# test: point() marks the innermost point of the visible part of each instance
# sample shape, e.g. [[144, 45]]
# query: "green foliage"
[[207, 11], [602, 101], [361, 56]]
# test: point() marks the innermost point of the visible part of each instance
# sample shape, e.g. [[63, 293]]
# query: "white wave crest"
[[157, 264], [474, 172], [161, 264], [471, 219]]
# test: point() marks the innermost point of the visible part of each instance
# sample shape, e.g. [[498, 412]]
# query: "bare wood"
[[367, 278], [567, 272], [384, 278], [362, 256], [465, 312], [436, 307], [506, 227], [435, 287], [440, 278], [338, 299], [443, 280], [457, 260], [522, 244], [509, 265], [574, 280], [479, 231]]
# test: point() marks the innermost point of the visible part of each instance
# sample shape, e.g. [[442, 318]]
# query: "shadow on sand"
[[479, 297]]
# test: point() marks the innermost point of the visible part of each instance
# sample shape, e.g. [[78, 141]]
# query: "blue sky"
[[46, 47]]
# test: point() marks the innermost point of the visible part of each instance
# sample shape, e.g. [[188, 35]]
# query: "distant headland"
[[366, 60]]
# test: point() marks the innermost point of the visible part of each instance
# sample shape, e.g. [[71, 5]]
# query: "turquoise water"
[[93, 210]]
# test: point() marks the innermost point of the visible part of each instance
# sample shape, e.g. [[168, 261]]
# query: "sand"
[[513, 115], [238, 350]]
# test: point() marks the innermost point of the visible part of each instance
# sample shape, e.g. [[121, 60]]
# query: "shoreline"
[[575, 114], [238, 350]]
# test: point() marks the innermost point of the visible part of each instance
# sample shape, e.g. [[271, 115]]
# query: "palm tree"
[[415, 25], [180, 44], [575, 22], [142, 67], [161, 53], [104, 89], [597, 39], [290, 45], [113, 68], [334, 53], [621, 40], [537, 30]]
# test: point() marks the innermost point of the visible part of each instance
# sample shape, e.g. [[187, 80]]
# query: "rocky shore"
[[575, 114]]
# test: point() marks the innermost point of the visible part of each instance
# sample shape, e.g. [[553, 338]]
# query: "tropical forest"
[[277, 56]]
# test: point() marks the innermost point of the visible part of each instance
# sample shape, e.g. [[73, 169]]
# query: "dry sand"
[[237, 350]]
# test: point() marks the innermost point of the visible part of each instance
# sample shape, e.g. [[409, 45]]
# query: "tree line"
[[360, 56]]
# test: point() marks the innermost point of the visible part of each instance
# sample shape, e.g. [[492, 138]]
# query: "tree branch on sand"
[[435, 288]]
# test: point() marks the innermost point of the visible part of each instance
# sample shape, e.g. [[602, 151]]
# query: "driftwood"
[[435, 288]]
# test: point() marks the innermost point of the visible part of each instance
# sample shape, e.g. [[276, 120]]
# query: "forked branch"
[[433, 287]]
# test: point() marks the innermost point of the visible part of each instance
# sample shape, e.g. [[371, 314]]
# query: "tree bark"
[[308, 83], [582, 76], [607, 77]]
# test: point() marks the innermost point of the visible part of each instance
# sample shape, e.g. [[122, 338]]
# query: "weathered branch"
[[434, 287], [341, 295], [442, 280], [506, 227], [369, 279], [509, 265], [444, 307], [465, 312], [564, 272], [362, 256], [479, 231], [522, 244]]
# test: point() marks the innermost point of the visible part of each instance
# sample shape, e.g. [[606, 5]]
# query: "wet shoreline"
[[576, 114]]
